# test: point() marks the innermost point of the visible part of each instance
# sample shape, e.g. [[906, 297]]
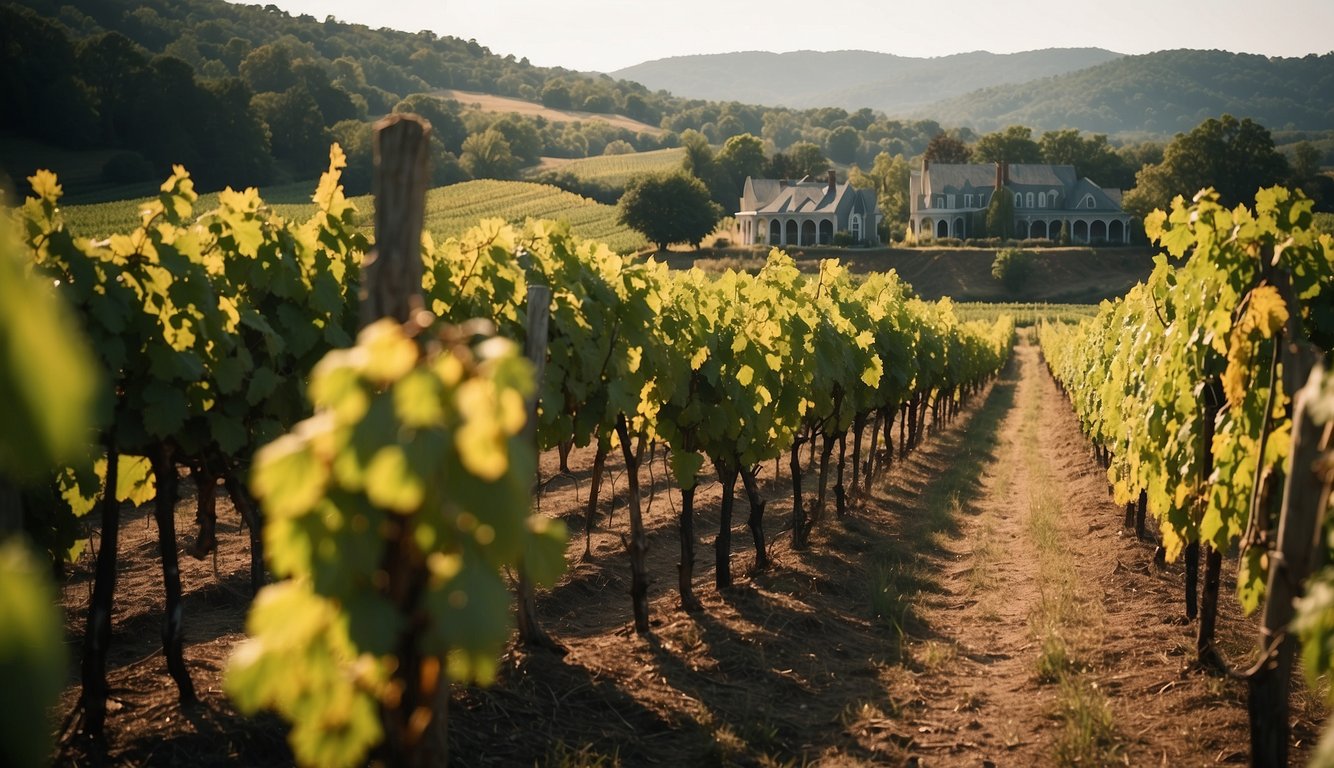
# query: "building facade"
[[783, 212], [950, 200]]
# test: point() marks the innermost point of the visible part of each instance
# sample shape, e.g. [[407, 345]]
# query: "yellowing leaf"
[[697, 359]]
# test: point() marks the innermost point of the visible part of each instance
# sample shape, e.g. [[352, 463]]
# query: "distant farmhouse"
[[945, 198], [783, 212]]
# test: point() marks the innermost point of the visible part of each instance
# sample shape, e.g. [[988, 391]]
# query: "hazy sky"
[[604, 35]]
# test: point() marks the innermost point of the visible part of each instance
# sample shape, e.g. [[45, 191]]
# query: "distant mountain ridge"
[[1157, 93], [852, 79]]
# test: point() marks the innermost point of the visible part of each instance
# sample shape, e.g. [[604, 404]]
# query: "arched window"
[[1053, 198], [855, 227], [940, 201], [1028, 200], [1042, 199], [1087, 202]]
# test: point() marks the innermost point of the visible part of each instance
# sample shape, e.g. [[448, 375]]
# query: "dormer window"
[[950, 200], [1087, 202], [968, 201], [1042, 199], [940, 201]]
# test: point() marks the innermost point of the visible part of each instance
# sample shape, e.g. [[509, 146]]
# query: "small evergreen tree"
[[1000, 214]]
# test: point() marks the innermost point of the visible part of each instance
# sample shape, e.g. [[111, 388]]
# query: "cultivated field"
[[613, 170], [449, 210], [487, 102], [981, 605]]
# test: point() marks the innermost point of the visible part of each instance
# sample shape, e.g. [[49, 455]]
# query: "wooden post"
[[535, 349], [391, 282], [1304, 499], [391, 287]]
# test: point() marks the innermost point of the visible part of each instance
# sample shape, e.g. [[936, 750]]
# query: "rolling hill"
[[851, 79], [1157, 93]]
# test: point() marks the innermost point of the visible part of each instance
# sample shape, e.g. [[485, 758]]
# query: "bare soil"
[[903, 636]]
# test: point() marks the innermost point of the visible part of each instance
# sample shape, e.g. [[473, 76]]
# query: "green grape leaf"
[[685, 467], [165, 409], [135, 482]]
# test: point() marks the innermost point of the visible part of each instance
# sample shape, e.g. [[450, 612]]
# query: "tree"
[[1012, 267], [889, 177], [742, 156], [946, 149], [1092, 157], [1012, 145], [555, 95], [1305, 161], [1234, 157], [524, 140], [669, 208], [843, 143], [1000, 214], [802, 160], [487, 155], [296, 129]]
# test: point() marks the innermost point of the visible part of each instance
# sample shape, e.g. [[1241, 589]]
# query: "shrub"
[[843, 239], [1012, 267]]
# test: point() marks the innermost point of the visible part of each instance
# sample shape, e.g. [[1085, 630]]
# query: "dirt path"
[[980, 606]]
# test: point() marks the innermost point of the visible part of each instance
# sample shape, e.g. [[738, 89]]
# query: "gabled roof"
[[941, 178], [1101, 199], [1048, 176], [786, 196]]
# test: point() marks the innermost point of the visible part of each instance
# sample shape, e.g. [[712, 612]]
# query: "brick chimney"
[[1002, 175], [833, 180]]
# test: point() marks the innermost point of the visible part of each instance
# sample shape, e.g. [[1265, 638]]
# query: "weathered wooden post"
[[391, 280], [535, 349], [1305, 495], [391, 287]]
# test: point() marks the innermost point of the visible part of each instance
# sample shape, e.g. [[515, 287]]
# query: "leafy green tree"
[[1235, 157], [1012, 267], [296, 129], [1092, 157], [669, 208], [889, 177], [487, 155], [1000, 214], [555, 95], [944, 148], [698, 154], [843, 143], [802, 160], [742, 156], [523, 138], [269, 68], [1305, 161], [446, 125], [1012, 145]]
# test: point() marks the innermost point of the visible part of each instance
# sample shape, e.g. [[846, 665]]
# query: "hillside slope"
[[1161, 93], [851, 79]]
